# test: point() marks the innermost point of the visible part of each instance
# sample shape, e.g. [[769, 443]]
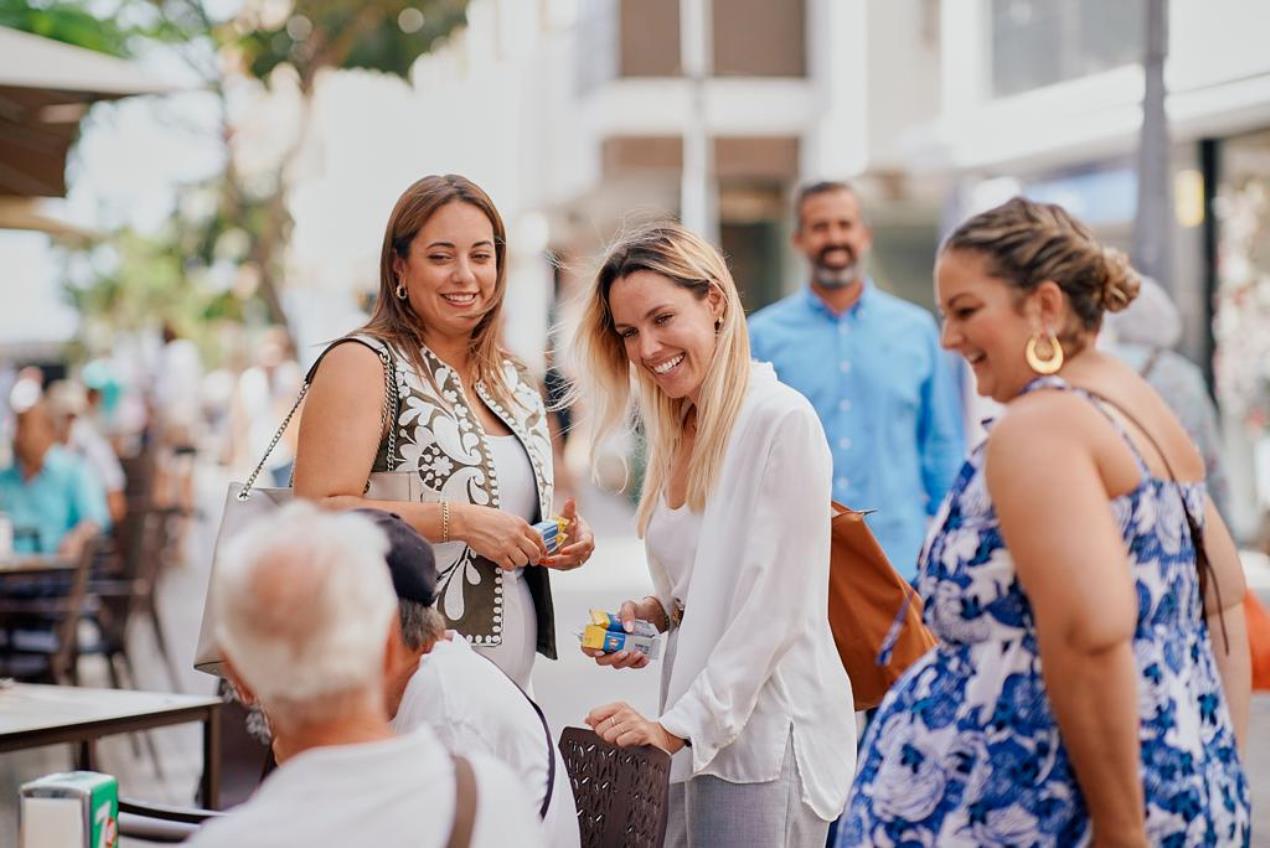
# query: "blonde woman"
[[755, 709], [470, 423]]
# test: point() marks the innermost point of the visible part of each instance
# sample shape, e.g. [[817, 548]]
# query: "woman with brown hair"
[[1090, 683], [469, 426]]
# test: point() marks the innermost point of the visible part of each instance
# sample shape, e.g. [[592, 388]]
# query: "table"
[[33, 715], [34, 564]]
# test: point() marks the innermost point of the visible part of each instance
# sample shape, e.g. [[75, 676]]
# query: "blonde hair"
[[395, 323], [1027, 243], [623, 395]]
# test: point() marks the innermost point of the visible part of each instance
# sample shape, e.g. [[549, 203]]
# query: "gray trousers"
[[708, 811]]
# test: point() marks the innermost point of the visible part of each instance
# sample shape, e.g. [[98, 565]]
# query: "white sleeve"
[[103, 459], [504, 813], [786, 543]]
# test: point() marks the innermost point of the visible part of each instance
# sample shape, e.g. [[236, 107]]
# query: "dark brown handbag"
[[875, 616]]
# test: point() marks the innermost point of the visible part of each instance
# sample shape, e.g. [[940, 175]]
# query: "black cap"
[[410, 560]]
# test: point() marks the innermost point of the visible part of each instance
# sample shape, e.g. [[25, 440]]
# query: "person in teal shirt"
[[51, 496], [871, 365]]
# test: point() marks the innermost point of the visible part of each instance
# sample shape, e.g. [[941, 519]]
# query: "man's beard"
[[836, 278]]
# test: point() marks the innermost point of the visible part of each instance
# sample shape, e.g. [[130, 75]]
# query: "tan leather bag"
[[872, 610]]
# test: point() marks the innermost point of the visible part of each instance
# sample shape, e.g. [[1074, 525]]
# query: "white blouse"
[[671, 539], [755, 662]]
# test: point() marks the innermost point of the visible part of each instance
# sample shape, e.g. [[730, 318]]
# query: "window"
[[759, 38], [1036, 43]]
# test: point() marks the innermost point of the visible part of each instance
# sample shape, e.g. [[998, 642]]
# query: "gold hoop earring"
[[401, 291], [1044, 366], [718, 325]]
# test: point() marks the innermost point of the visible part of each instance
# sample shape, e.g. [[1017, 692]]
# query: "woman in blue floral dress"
[[1091, 680]]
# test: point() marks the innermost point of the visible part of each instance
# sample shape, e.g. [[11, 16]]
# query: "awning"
[[31, 213], [46, 87]]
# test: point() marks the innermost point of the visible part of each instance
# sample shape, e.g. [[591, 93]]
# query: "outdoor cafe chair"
[[40, 631], [622, 793]]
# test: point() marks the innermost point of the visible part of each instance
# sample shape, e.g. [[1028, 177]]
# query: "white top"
[[97, 452], [398, 792], [671, 539], [517, 492], [474, 708], [755, 661]]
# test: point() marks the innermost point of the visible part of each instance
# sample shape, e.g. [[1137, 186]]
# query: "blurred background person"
[[470, 423], [265, 391], [51, 496], [176, 404], [755, 707], [1145, 336], [1091, 681], [307, 624], [870, 364], [77, 431]]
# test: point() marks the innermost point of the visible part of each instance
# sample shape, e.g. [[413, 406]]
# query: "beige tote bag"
[[246, 503]]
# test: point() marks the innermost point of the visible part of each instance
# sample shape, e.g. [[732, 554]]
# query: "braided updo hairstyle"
[[1027, 243]]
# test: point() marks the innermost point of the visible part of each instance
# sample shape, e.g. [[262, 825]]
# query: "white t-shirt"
[[86, 441], [473, 707], [397, 792]]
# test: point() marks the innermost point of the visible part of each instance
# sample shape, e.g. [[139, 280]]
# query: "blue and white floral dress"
[[965, 749]]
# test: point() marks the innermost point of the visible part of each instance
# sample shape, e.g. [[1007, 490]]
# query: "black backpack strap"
[[464, 803], [551, 754], [546, 730]]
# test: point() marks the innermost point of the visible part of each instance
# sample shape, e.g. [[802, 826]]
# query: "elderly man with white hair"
[[306, 619]]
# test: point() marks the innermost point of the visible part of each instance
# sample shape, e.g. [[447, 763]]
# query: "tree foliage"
[[180, 274]]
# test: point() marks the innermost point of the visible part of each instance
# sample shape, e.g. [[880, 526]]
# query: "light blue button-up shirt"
[[64, 494], [887, 398]]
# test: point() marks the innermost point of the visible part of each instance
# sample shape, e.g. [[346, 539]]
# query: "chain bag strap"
[[387, 418]]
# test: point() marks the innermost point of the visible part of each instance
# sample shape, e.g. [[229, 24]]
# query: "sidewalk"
[[566, 689]]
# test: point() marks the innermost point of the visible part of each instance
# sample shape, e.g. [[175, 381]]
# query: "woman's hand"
[[504, 539], [619, 724], [649, 609], [581, 541]]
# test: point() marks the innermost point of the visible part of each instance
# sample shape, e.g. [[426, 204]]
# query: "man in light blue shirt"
[[871, 365], [51, 496]]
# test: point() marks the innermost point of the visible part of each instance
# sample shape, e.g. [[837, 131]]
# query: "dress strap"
[[1203, 567], [1101, 403]]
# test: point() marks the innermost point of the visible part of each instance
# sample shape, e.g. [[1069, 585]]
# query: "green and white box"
[[78, 809]]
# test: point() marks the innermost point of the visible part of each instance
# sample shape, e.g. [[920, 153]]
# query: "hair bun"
[[1121, 283]]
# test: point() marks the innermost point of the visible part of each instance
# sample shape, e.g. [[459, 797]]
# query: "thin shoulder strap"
[[1203, 567], [1132, 419], [388, 414], [464, 803]]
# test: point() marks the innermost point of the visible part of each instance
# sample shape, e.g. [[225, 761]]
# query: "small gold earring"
[[718, 324], [401, 291], [1054, 361]]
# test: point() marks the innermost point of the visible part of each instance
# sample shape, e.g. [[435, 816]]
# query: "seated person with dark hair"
[[441, 683], [305, 617]]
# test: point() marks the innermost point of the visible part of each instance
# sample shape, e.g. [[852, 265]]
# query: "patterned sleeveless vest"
[[440, 437]]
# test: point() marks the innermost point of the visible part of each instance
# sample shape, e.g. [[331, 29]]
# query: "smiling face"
[[987, 322], [451, 270], [833, 237], [666, 330]]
